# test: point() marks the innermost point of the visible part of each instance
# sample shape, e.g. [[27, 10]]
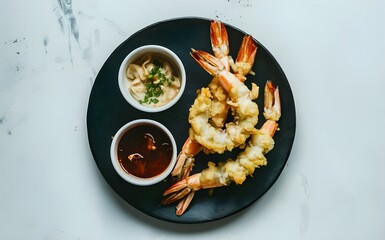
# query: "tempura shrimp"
[[219, 106], [241, 99], [222, 174]]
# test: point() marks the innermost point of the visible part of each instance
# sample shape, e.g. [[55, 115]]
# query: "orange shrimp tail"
[[219, 39], [270, 126], [247, 51]]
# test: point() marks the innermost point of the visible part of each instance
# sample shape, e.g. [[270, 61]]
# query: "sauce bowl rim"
[[130, 177], [134, 55]]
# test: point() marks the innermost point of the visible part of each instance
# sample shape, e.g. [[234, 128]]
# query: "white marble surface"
[[333, 53]]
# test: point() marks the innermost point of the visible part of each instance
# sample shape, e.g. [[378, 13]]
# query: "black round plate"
[[108, 111]]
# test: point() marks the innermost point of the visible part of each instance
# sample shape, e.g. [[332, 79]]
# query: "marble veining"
[[67, 20], [304, 207], [66, 9], [111, 23], [45, 43], [2, 119], [305, 186]]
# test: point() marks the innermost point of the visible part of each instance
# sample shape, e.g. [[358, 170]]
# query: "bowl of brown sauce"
[[152, 78], [143, 152]]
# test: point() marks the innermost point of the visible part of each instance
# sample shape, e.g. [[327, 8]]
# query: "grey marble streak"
[[66, 8], [66, 19], [113, 24]]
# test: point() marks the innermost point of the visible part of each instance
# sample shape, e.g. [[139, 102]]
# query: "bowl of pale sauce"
[[143, 152], [152, 78]]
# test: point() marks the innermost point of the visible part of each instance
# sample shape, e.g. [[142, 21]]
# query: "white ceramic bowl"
[[130, 177], [161, 52]]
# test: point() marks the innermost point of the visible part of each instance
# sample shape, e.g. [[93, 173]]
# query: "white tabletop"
[[332, 53]]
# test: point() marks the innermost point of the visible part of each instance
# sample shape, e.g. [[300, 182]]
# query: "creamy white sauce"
[[153, 81]]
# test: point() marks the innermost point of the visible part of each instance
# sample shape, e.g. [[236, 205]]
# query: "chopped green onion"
[[155, 80]]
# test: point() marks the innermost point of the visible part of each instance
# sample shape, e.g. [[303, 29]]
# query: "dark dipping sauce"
[[145, 151]]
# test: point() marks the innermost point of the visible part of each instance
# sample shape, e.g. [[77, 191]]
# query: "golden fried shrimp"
[[242, 67], [220, 108], [232, 170], [236, 170], [220, 47], [241, 99], [224, 173]]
